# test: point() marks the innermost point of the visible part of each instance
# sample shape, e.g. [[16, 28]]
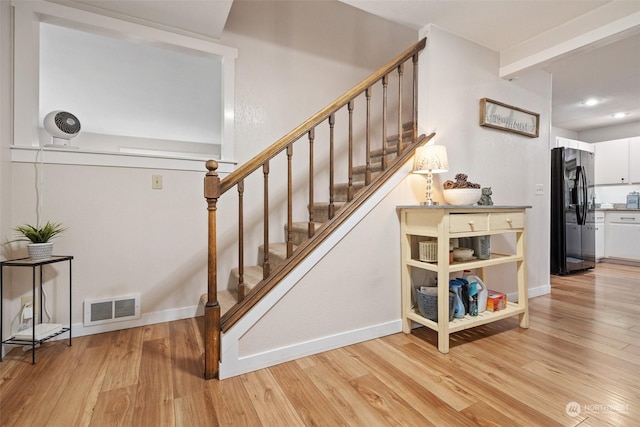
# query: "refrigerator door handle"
[[583, 205], [578, 195]]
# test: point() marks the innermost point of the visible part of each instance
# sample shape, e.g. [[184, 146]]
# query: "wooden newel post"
[[212, 307]]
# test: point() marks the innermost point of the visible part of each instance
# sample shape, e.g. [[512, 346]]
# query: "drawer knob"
[[509, 220], [470, 222]]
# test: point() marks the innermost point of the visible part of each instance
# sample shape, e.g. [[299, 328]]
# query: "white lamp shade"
[[431, 158]]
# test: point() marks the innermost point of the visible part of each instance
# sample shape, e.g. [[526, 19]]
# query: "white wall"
[[294, 58], [562, 133], [456, 76], [609, 133]]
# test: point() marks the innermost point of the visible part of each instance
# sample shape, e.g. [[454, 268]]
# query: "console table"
[[443, 222]]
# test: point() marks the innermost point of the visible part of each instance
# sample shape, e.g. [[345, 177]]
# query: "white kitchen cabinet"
[[622, 235], [612, 162], [634, 160]]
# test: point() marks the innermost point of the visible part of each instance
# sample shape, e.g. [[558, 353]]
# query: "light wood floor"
[[583, 346]]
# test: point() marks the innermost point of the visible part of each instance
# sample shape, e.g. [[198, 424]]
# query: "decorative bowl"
[[462, 196], [462, 253]]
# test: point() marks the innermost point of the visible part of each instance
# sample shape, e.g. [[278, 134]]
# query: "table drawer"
[[464, 223], [506, 221]]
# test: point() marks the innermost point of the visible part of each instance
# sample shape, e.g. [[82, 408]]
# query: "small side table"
[[34, 264]]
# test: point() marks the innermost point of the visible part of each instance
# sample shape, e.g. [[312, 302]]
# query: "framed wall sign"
[[497, 115]]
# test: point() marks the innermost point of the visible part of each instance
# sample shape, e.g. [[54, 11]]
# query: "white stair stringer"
[[231, 361]]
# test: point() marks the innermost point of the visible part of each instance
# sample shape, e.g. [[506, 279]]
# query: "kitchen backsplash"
[[614, 193]]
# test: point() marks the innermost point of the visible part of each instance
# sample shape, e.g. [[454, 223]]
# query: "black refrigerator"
[[573, 246]]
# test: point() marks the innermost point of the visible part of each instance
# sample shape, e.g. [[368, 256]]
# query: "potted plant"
[[41, 246]]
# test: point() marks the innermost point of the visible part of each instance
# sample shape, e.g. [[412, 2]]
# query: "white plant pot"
[[40, 250]]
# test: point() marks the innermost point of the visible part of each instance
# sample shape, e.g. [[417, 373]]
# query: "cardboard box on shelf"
[[496, 301]]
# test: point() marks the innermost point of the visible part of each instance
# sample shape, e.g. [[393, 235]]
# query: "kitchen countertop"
[[616, 207]]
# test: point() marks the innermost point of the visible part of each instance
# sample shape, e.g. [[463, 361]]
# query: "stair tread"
[[321, 205], [303, 224], [376, 166], [252, 274], [356, 184], [277, 249], [226, 298]]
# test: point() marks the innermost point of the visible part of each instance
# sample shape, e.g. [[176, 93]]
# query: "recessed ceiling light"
[[591, 102], [620, 115]]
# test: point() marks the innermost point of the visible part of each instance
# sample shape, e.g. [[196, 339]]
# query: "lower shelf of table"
[[14, 341], [467, 321]]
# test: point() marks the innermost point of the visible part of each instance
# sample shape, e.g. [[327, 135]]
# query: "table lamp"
[[428, 160]]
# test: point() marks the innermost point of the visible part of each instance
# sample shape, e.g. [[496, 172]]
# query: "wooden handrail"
[[243, 171]]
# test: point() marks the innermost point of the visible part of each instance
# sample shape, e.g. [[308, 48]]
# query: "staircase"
[[247, 285], [277, 253]]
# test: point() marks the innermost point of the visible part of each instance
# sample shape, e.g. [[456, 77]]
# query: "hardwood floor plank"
[[114, 407], [24, 395], [233, 404], [580, 389], [343, 397], [344, 362], [156, 331], [398, 378], [154, 394], [482, 414], [389, 405], [310, 404], [187, 370], [124, 357], [196, 410], [271, 404], [82, 388], [481, 385], [580, 361]]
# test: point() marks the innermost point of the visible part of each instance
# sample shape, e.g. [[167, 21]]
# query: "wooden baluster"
[[289, 201], [350, 185], [332, 208], [311, 228], [414, 129], [400, 145], [212, 307], [266, 268], [241, 285], [367, 173], [385, 82]]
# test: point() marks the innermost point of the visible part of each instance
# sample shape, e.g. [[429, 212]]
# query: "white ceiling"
[[610, 72]]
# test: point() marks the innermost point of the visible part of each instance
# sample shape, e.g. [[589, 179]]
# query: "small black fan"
[[62, 126]]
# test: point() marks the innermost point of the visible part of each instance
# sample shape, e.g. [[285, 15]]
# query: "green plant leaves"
[[39, 235]]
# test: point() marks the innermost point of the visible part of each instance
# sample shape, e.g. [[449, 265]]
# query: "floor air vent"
[[109, 310]]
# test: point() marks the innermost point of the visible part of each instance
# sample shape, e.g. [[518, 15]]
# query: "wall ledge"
[[70, 156]]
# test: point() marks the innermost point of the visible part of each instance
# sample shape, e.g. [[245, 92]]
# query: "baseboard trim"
[[539, 290], [232, 364], [532, 292]]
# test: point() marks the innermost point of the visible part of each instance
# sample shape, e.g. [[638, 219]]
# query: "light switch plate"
[[156, 182], [539, 189]]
